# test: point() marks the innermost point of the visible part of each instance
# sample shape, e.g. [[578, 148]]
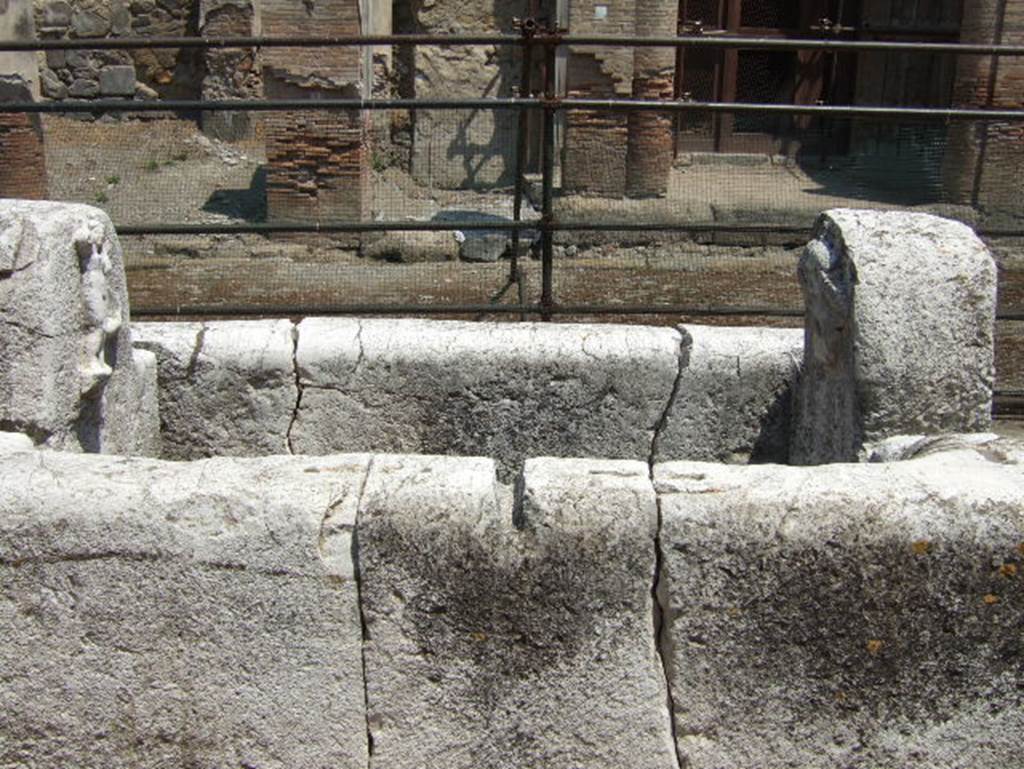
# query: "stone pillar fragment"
[[506, 640], [230, 73], [67, 373], [650, 149], [317, 160], [22, 160], [899, 332]]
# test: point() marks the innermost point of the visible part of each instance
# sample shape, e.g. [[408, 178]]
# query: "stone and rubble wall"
[[140, 74], [399, 611], [458, 148], [144, 74]]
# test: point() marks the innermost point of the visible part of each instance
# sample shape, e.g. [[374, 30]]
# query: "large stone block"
[[504, 639], [733, 400], [899, 332], [160, 614], [226, 388], [848, 615], [498, 390], [67, 375]]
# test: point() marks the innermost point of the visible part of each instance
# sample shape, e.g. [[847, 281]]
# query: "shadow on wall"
[[248, 204]]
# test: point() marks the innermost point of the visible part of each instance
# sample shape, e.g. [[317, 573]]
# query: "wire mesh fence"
[[530, 179]]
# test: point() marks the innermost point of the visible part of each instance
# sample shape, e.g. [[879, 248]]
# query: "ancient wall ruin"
[[317, 160], [376, 609]]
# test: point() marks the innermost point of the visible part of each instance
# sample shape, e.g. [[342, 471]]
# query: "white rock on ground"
[[160, 614], [899, 332], [734, 395], [67, 377], [506, 391], [226, 388], [491, 645], [845, 615]]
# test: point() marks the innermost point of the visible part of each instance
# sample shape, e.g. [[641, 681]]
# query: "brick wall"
[[317, 161], [617, 154], [22, 163], [594, 157], [985, 161]]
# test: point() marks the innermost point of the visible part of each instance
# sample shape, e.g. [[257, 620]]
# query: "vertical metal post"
[[527, 28], [547, 294]]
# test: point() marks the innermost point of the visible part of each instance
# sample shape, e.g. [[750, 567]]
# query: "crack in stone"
[[659, 597], [193, 361], [298, 389], [685, 347], [31, 330], [364, 628], [661, 613]]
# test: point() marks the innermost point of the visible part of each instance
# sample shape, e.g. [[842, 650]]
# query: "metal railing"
[[533, 40]]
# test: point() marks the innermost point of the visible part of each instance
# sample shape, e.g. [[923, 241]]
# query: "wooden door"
[[759, 76]]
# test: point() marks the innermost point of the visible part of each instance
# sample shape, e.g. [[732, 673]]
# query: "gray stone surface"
[[89, 24], [67, 376], [11, 442], [158, 614], [496, 645], [117, 80], [148, 399], [849, 615], [899, 333], [507, 391], [734, 396], [225, 388], [412, 247], [484, 246], [84, 88]]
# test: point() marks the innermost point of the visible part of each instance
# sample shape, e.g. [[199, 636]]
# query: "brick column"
[[649, 151], [317, 161], [22, 161], [984, 162]]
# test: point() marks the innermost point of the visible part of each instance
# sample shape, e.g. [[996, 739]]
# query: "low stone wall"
[[391, 611], [499, 390]]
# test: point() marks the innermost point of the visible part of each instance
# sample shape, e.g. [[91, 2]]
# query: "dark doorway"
[[759, 76]]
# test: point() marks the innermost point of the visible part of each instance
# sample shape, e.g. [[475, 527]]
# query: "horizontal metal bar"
[[463, 309], [593, 105], [612, 41], [257, 228], [262, 105], [825, 110]]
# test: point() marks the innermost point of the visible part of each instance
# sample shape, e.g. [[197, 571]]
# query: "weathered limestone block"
[[160, 614], [226, 388], [848, 615], [899, 332], [733, 399], [498, 390], [501, 643], [67, 376]]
